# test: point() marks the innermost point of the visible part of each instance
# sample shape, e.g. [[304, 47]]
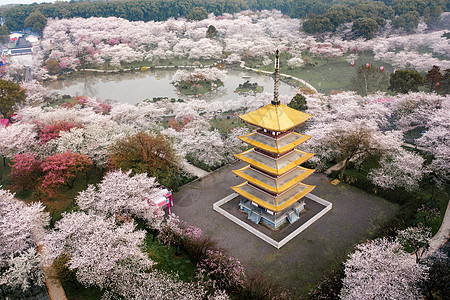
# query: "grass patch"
[[5, 171], [224, 125], [410, 201], [413, 134], [80, 292], [197, 88], [168, 261], [326, 76]]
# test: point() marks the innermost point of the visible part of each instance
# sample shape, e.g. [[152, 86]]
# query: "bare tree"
[[351, 143], [368, 80]]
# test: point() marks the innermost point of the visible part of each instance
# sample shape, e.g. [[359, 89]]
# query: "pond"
[[136, 87]]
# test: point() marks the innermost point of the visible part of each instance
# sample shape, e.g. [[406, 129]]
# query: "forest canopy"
[[323, 15]]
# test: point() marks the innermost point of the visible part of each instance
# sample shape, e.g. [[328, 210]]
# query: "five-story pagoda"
[[273, 191]]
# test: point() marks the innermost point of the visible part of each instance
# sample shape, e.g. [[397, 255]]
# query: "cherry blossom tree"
[[21, 229], [199, 142], [24, 270], [173, 231], [97, 247], [17, 138], [399, 169], [381, 269], [22, 225], [414, 238], [220, 271], [120, 194], [153, 285], [25, 171], [63, 168]]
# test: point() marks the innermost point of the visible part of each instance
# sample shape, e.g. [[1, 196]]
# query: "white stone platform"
[[261, 235]]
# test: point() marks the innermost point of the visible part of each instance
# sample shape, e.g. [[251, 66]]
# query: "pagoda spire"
[[275, 100]]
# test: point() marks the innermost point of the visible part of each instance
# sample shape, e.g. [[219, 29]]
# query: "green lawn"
[[426, 195], [168, 261], [80, 292], [224, 125], [327, 75]]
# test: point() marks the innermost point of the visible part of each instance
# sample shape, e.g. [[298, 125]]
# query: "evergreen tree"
[[11, 95], [433, 78], [404, 81], [298, 102], [36, 21]]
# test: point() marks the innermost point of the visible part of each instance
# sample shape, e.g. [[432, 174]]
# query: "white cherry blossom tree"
[[381, 269]]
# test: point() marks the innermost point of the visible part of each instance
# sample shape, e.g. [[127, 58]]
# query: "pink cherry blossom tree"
[[219, 271], [63, 168], [26, 171]]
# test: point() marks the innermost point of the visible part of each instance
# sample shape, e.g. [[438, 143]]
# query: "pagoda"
[[272, 191]]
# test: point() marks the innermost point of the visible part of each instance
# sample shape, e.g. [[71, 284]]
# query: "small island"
[[198, 82], [249, 87]]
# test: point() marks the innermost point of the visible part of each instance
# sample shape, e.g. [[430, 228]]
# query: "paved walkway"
[[191, 169], [416, 147], [442, 236], [242, 65], [54, 287]]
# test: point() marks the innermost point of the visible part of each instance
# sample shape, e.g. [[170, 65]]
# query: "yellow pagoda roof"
[[275, 145], [273, 203], [273, 184], [275, 117]]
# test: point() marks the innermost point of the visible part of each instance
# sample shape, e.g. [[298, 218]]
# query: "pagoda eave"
[[268, 201], [276, 146], [261, 162], [273, 184]]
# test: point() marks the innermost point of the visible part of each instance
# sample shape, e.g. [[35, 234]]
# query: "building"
[[272, 192], [21, 42]]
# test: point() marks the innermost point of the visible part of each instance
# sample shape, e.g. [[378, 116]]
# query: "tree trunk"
[[73, 279], [3, 293], [4, 160], [341, 175], [71, 183]]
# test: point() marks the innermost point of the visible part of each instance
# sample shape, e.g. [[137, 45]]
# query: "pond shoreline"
[[134, 86], [284, 77]]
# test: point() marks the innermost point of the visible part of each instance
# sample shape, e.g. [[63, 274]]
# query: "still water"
[[136, 87]]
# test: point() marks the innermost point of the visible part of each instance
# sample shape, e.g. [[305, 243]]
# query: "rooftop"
[[278, 117]]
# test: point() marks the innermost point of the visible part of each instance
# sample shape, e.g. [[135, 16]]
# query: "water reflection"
[[135, 87]]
